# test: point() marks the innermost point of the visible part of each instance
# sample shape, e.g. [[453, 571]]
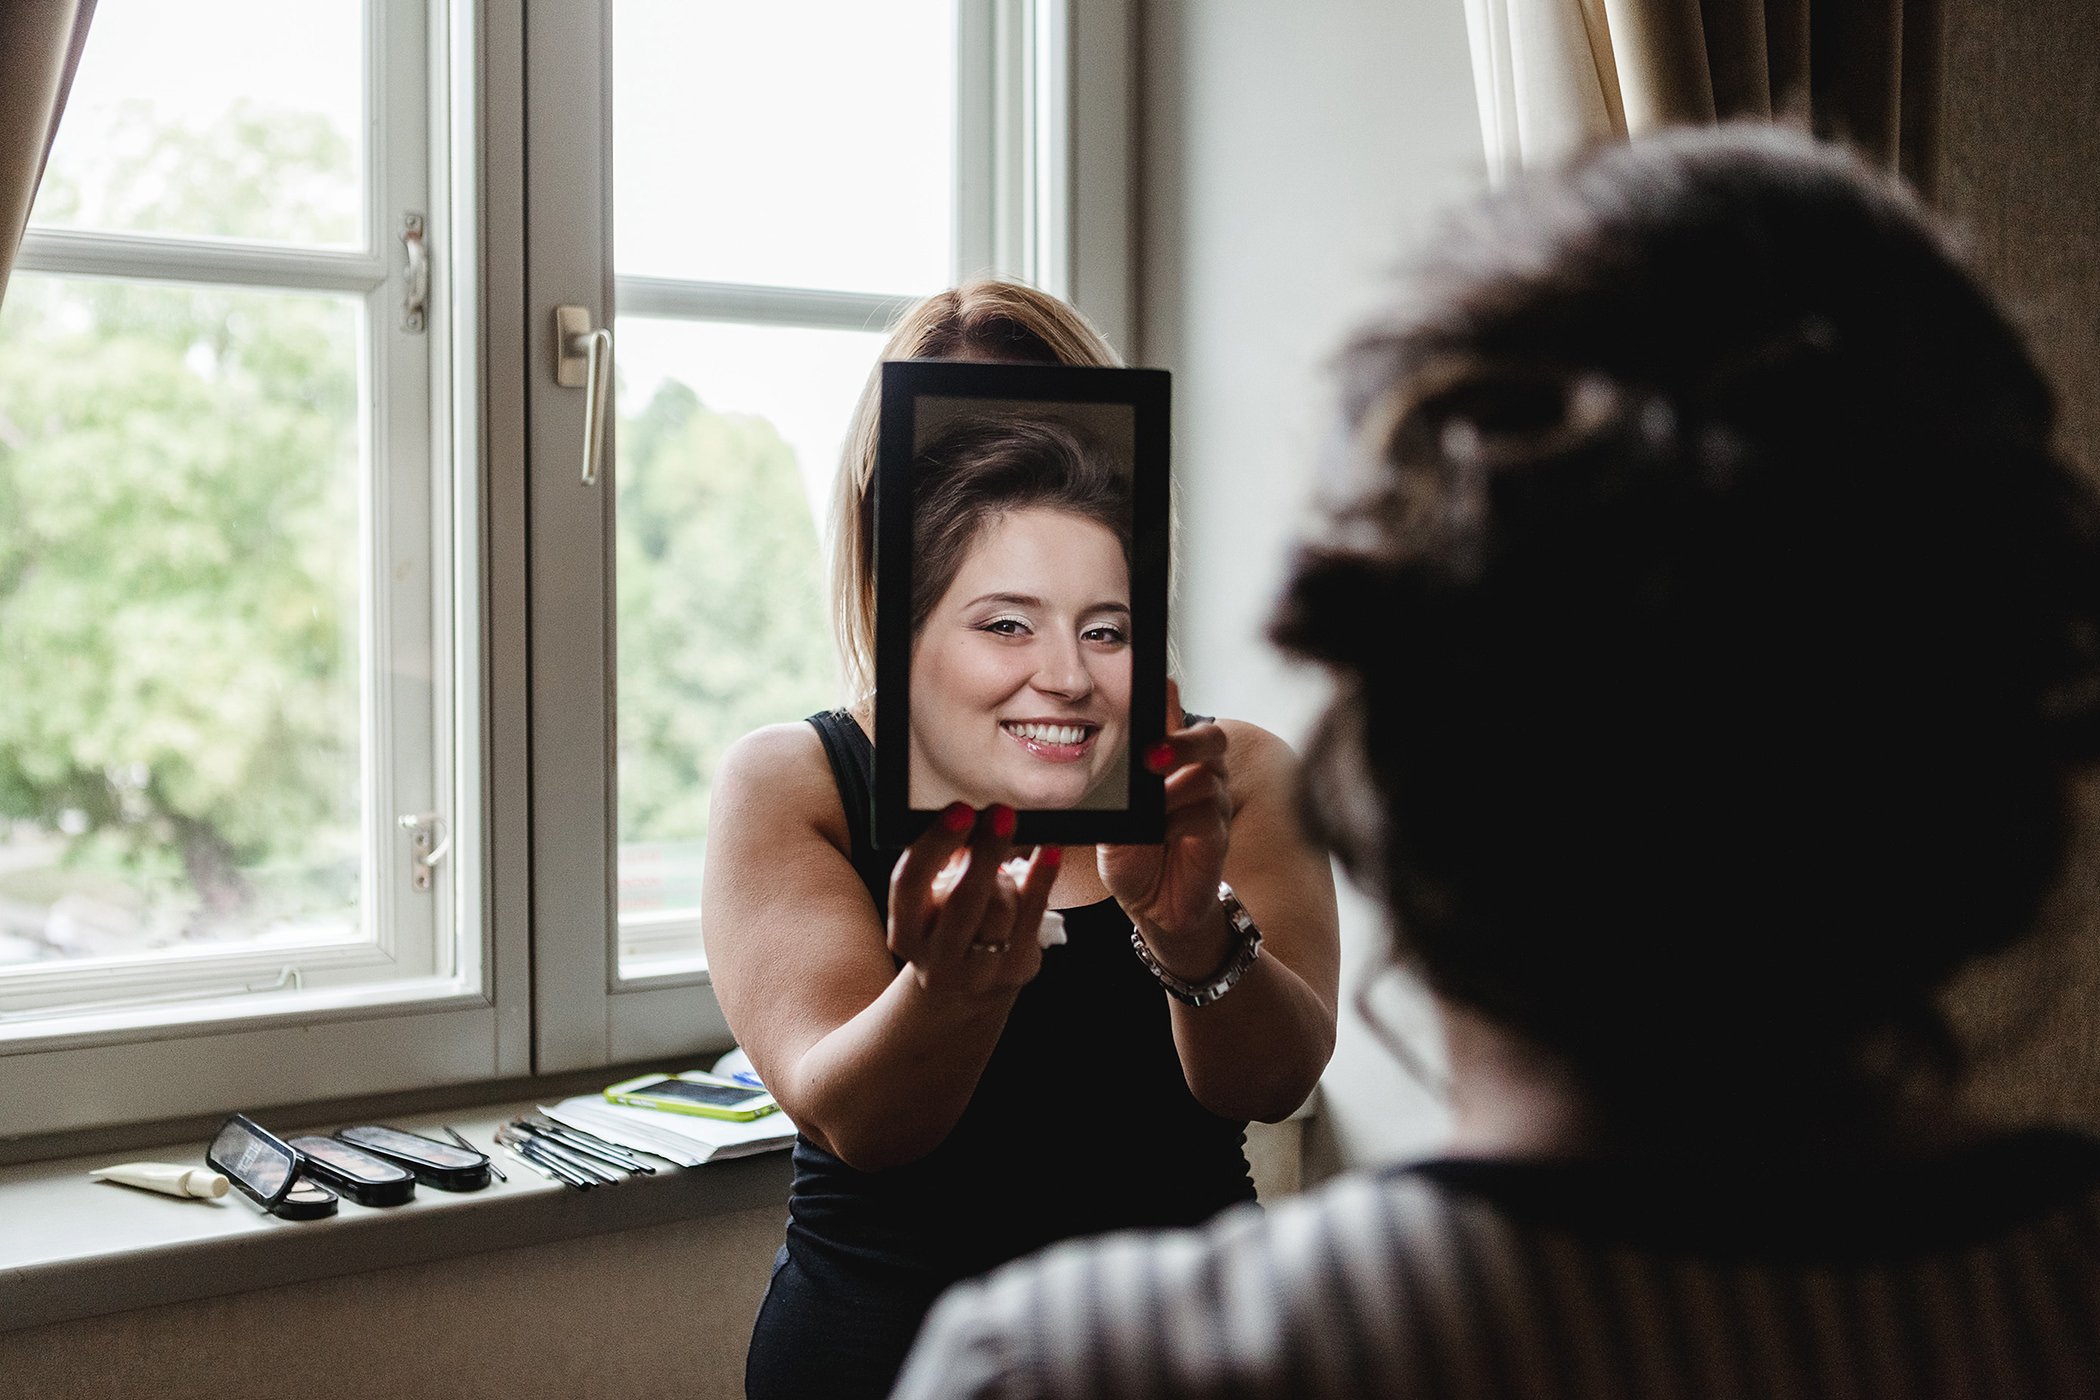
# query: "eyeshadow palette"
[[364, 1178], [439, 1164]]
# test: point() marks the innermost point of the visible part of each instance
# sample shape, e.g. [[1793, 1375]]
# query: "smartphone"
[[708, 1095]]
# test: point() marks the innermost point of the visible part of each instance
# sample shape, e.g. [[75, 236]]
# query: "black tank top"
[[1082, 1121]]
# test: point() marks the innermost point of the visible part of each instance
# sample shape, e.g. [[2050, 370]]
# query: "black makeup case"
[[265, 1169], [438, 1164], [307, 1200], [364, 1178]]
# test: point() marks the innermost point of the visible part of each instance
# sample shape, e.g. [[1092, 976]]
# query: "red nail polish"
[[958, 817], [1160, 757], [1003, 820], [1051, 857]]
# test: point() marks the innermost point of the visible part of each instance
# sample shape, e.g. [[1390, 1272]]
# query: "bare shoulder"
[[1244, 740], [778, 778], [774, 752]]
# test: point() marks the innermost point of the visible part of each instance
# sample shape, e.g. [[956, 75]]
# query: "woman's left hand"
[[1170, 891]]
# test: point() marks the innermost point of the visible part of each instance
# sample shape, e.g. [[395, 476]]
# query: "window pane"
[[806, 145], [179, 622], [215, 118], [728, 438]]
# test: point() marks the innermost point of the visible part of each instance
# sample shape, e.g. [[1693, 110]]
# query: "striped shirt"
[[1512, 1279]]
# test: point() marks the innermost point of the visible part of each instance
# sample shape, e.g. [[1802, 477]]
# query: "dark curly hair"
[[1712, 624]]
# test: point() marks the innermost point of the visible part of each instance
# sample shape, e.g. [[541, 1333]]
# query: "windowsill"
[[73, 1248]]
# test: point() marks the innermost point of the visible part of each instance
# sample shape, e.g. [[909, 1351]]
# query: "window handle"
[[583, 360], [415, 306]]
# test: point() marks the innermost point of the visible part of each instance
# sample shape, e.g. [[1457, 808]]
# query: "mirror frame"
[[1143, 820]]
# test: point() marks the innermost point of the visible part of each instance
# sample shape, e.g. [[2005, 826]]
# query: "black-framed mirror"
[[1021, 558]]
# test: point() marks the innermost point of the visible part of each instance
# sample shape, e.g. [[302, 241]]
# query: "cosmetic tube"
[[165, 1178]]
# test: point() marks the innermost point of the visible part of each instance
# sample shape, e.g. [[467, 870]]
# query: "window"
[[227, 557], [283, 566], [220, 470], [782, 183], [751, 296]]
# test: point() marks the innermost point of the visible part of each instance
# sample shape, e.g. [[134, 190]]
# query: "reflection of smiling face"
[[1020, 679]]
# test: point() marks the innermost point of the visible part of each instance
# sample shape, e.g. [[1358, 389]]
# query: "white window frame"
[[520, 140], [166, 1045]]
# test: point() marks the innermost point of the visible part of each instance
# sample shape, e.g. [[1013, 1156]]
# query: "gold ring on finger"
[[987, 947]]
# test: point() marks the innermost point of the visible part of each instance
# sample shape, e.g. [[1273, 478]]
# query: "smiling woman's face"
[[1020, 678]]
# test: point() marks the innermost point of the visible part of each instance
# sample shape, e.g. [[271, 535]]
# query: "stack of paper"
[[685, 1138]]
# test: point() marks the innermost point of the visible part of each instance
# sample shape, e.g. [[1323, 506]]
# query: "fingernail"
[[1003, 820], [1160, 757], [958, 817], [1050, 857]]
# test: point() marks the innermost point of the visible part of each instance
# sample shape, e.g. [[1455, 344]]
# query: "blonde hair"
[[983, 319]]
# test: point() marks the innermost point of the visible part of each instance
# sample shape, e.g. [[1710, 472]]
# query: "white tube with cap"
[[166, 1178]]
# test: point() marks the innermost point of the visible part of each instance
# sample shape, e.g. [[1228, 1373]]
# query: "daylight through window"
[[217, 529], [784, 181]]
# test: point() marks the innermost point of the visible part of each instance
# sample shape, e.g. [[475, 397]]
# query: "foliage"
[[179, 556], [178, 539], [254, 173], [720, 603], [177, 601]]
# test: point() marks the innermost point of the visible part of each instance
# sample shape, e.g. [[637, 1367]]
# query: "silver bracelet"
[[1245, 949]]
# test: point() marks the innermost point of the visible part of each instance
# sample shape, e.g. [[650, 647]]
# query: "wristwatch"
[[1245, 949]]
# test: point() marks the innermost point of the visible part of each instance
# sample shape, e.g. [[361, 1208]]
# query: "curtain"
[[1554, 76], [40, 44]]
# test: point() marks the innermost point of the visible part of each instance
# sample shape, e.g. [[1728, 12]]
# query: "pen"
[[453, 1133]]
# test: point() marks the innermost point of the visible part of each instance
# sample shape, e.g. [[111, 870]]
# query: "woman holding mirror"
[[963, 1094]]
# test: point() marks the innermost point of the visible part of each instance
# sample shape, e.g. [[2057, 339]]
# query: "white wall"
[[1291, 153]]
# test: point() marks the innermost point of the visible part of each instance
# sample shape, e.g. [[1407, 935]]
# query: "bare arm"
[[873, 1062], [1258, 1051]]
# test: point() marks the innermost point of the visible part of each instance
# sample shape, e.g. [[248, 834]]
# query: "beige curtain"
[[1554, 76], [40, 44]]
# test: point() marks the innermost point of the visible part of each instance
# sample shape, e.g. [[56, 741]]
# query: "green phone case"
[[624, 1092]]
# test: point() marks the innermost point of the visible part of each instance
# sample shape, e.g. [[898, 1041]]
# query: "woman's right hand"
[[962, 921]]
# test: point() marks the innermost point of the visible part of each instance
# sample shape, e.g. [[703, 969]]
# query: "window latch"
[[429, 841], [583, 360], [415, 307]]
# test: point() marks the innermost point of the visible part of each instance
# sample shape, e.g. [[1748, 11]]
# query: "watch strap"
[[1246, 948]]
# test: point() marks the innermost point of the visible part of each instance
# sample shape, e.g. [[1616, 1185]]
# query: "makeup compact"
[[364, 1178], [307, 1200], [265, 1169], [434, 1163]]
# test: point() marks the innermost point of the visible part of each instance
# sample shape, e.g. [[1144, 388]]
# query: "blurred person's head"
[[1713, 627], [1020, 683], [982, 320]]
